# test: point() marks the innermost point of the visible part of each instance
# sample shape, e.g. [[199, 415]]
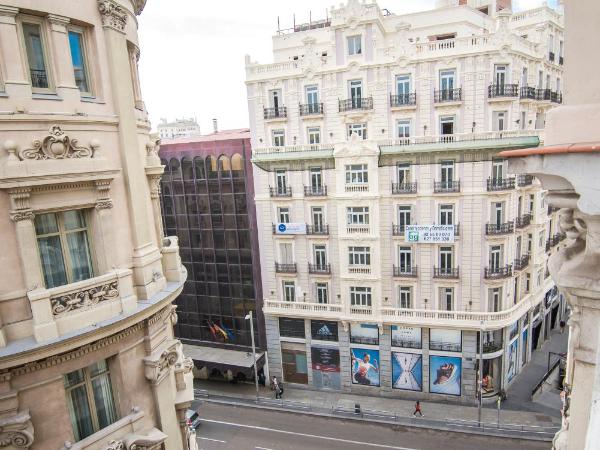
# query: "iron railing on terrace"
[[499, 228], [305, 27], [523, 221], [409, 271], [528, 92], [446, 272], [404, 188], [556, 97], [310, 109], [446, 186], [300, 148], [324, 269], [315, 191], [491, 347], [317, 229], [495, 273], [447, 95], [275, 113], [403, 99], [503, 90], [355, 103], [500, 184], [285, 268], [280, 192], [522, 262], [459, 137], [525, 180]]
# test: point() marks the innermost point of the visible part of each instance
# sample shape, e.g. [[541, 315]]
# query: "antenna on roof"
[[278, 27], [294, 21]]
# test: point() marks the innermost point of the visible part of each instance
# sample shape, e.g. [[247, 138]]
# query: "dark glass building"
[[207, 195]]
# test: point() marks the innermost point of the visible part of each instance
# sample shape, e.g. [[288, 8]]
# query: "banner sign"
[[429, 234], [290, 228]]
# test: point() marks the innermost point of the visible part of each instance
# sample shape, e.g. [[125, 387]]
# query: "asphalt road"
[[226, 427]]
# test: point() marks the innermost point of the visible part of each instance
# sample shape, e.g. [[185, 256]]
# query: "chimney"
[[215, 127]]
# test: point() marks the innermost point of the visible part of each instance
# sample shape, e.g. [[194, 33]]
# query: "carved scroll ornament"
[[84, 298], [57, 145], [16, 431], [113, 15]]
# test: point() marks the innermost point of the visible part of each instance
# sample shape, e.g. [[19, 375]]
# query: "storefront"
[[293, 361]]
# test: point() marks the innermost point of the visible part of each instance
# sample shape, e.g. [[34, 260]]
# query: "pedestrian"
[[275, 386], [418, 409], [563, 324], [280, 385]]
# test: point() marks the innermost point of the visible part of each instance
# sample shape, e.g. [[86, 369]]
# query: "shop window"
[[293, 328]]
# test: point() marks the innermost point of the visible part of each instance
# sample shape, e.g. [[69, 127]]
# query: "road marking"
[[262, 448], [214, 440], [316, 436]]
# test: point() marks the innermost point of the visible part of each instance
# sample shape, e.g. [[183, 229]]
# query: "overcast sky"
[[192, 51]]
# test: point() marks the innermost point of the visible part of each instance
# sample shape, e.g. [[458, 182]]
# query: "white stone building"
[[178, 128], [366, 123]]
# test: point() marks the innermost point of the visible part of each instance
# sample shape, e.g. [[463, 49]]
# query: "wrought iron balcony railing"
[[522, 262], [503, 90], [523, 221], [500, 184], [310, 109], [285, 268], [528, 92], [275, 113], [356, 103], [317, 229], [405, 271], [494, 273], [446, 186], [499, 228], [446, 272], [525, 180], [447, 95], [39, 78], [404, 188], [403, 99], [315, 191], [556, 97], [319, 268], [561, 60], [398, 230], [280, 191], [543, 94], [551, 56], [491, 347]]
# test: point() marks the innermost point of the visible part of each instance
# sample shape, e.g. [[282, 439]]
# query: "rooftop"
[[237, 133]]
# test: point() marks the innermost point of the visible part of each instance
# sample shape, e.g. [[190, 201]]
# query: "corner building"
[[87, 354], [368, 122]]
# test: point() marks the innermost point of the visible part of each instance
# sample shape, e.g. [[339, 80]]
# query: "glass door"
[[316, 179], [356, 93], [320, 256], [317, 217], [281, 182]]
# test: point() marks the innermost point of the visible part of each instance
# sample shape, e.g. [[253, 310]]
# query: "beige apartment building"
[[87, 354], [395, 244]]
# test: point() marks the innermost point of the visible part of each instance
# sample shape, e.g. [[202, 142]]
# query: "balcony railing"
[[446, 272], [495, 273], [398, 230], [523, 221], [275, 113], [503, 90], [499, 228], [447, 95], [356, 103], [403, 100], [551, 56], [315, 191], [310, 109], [557, 238], [364, 187], [555, 97], [500, 184], [491, 347], [39, 78], [285, 268], [407, 271], [522, 262], [280, 192], [359, 269], [319, 268], [358, 229], [446, 186], [525, 180], [528, 92], [317, 229], [404, 188], [543, 94], [561, 60]]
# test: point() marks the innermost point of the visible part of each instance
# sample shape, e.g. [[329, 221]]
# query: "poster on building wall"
[[524, 347], [326, 367], [364, 333], [365, 366], [407, 371], [511, 368], [445, 340], [445, 374], [513, 330], [429, 234], [290, 228], [407, 337], [324, 330]]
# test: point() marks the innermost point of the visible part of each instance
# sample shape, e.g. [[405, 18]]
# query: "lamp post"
[[249, 317], [480, 374]]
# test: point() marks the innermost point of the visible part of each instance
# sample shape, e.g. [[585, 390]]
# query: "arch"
[[237, 165], [224, 166], [199, 166], [174, 168], [187, 169], [211, 167]]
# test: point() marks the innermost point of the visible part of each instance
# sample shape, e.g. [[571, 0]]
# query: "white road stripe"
[[262, 448], [214, 440], [316, 436]]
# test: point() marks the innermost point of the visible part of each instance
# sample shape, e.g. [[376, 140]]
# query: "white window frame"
[[403, 128], [360, 296], [357, 215], [283, 214], [449, 76], [85, 56], [312, 91], [357, 173], [447, 298], [403, 173], [404, 215], [354, 44], [278, 138], [405, 259], [500, 120], [446, 214], [446, 254], [359, 128], [33, 20], [288, 290], [495, 299], [322, 292], [359, 256], [320, 252], [404, 80], [314, 135], [404, 297]]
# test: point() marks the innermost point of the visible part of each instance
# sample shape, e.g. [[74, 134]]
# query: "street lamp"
[[249, 317]]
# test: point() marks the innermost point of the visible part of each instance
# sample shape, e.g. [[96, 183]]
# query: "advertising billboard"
[[429, 234], [324, 330], [407, 337], [445, 375], [511, 368], [445, 340], [365, 366], [326, 367], [364, 333], [407, 371], [290, 228]]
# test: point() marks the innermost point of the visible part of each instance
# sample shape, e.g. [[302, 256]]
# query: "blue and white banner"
[[290, 228]]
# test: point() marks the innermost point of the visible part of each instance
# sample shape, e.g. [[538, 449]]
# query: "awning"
[[211, 356]]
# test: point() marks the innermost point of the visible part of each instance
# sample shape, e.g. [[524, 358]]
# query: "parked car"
[[192, 418]]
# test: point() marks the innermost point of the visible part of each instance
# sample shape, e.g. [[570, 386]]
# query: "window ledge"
[[91, 99], [3, 94], [38, 96]]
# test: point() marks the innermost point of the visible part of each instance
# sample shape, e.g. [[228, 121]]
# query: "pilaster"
[[16, 81], [59, 39]]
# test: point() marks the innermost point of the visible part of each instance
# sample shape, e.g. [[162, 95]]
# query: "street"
[[233, 427]]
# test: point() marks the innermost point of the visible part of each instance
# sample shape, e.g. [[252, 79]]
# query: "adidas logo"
[[324, 331]]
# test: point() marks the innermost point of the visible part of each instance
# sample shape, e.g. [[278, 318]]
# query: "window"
[[551, 43], [497, 169], [314, 135], [286, 253], [355, 92], [403, 128], [312, 98], [540, 79], [320, 255], [359, 128], [500, 72], [531, 203], [278, 138], [321, 291], [447, 299], [499, 120], [283, 214], [523, 121], [90, 399], [495, 299], [403, 171], [35, 48], [447, 81], [357, 173], [561, 47], [498, 213], [548, 83], [289, 291], [403, 88], [293, 328], [524, 77], [541, 239], [359, 256], [281, 181], [63, 246], [134, 56], [529, 243], [446, 214], [317, 218], [404, 297], [527, 282], [447, 125], [358, 215], [354, 45], [360, 296], [558, 84], [447, 172], [78, 57], [405, 259], [316, 179], [276, 101], [404, 216], [495, 257], [446, 259]]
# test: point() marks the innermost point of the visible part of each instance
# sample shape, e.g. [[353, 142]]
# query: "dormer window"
[[354, 45]]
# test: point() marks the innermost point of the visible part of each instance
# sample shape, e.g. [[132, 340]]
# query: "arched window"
[[199, 165], [187, 168], [237, 165], [224, 166], [211, 167], [174, 167]]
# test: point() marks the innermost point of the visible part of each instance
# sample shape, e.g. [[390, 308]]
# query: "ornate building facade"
[[369, 123], [88, 359]]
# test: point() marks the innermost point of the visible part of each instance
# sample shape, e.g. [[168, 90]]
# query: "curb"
[[414, 423]]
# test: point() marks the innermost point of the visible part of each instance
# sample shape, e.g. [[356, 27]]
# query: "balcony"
[[440, 187], [551, 56], [561, 60], [503, 90], [404, 188], [528, 92], [321, 230], [524, 180], [500, 184], [357, 103], [398, 230], [557, 238], [401, 100], [285, 268], [319, 269], [364, 270], [491, 347], [523, 221], [543, 94], [407, 271], [492, 229], [310, 109], [555, 97], [446, 272], [279, 112], [522, 262], [357, 187], [315, 191], [358, 229], [39, 78], [303, 309], [280, 192], [498, 273], [447, 95]]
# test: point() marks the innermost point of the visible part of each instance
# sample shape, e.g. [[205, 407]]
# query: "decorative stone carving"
[[159, 366], [139, 6], [115, 445], [84, 298], [16, 216], [57, 145], [104, 204], [173, 316], [113, 15], [20, 204], [16, 431], [103, 201]]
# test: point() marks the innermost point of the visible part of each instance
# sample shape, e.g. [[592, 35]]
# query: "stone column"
[[61, 50], [104, 221], [16, 82]]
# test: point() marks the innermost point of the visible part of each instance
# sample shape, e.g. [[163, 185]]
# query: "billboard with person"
[[407, 371], [511, 370], [365, 366], [326, 367], [445, 374]]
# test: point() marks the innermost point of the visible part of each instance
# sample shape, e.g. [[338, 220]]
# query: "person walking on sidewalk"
[[275, 386], [563, 324], [418, 409]]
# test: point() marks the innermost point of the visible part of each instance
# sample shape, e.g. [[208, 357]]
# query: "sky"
[[192, 51]]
